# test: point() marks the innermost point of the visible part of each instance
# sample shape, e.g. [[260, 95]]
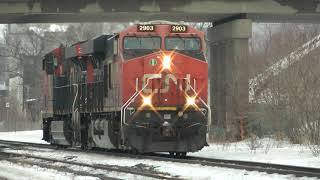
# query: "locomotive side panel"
[[84, 81], [112, 87]]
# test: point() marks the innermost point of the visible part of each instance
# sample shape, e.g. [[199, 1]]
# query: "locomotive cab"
[[165, 89]]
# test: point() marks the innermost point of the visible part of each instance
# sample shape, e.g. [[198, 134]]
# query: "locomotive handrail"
[[205, 104], [126, 104], [77, 84], [132, 98], [74, 112]]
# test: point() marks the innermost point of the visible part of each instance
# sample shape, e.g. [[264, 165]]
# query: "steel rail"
[[62, 167], [120, 169], [269, 168]]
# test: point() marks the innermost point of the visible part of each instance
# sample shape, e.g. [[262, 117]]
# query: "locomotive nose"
[[159, 62], [162, 79], [166, 62], [166, 124], [152, 63], [167, 130]]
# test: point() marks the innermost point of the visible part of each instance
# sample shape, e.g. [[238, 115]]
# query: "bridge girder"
[[34, 11]]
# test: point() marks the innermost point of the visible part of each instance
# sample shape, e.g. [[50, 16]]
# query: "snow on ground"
[[269, 150], [19, 172], [183, 170], [23, 136], [12, 171]]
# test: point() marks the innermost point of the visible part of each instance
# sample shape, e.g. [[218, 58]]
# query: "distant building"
[[3, 87]]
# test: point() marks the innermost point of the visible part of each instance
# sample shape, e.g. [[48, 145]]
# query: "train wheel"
[[84, 147], [171, 154], [134, 151], [181, 154]]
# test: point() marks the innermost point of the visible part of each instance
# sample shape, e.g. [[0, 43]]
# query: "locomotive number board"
[[146, 28], [179, 29]]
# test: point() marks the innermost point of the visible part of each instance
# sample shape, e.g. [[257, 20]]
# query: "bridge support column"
[[229, 78]]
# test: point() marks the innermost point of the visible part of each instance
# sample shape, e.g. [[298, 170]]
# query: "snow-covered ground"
[[182, 170], [23, 136], [270, 151], [18, 172]]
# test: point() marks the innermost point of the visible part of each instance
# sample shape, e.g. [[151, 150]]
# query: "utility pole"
[[1, 114], [7, 108]]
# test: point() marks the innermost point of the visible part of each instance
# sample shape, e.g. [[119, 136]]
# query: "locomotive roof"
[[155, 22]]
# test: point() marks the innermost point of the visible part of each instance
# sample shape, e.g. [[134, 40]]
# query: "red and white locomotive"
[[143, 89]]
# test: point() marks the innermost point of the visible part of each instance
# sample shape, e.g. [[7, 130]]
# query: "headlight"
[[191, 101], [166, 62], [147, 101]]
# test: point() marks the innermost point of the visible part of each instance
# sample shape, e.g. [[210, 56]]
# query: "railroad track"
[[298, 171], [269, 168], [48, 162], [27, 160]]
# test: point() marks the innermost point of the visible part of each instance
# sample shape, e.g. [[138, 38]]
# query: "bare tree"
[[290, 100]]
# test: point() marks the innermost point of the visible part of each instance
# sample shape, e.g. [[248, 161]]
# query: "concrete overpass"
[[228, 38], [36, 11]]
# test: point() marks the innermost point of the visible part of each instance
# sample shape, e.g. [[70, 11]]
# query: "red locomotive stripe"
[[90, 77], [78, 50]]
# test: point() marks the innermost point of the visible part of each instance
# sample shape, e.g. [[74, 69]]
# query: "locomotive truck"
[[143, 89]]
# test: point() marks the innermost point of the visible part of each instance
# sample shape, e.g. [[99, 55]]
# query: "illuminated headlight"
[[147, 101], [166, 62], [191, 101]]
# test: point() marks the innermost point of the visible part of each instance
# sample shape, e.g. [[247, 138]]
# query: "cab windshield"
[[190, 46], [183, 43], [139, 46]]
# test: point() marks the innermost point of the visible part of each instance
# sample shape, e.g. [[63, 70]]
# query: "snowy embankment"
[[278, 152], [267, 150]]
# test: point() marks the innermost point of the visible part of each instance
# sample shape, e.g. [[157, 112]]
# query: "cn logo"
[[166, 83]]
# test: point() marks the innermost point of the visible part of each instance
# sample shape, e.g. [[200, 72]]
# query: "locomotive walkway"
[[233, 164]]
